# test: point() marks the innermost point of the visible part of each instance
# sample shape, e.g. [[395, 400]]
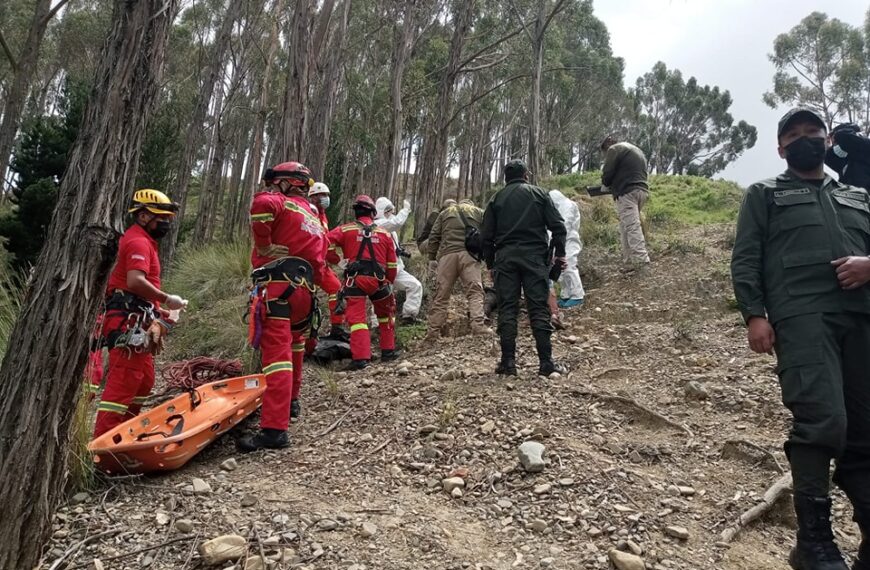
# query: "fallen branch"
[[373, 451], [72, 550], [732, 447], [779, 489], [634, 404], [135, 552], [335, 424]]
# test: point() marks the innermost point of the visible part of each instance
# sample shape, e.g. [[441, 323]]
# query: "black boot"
[[339, 334], [815, 548], [358, 364], [508, 364], [295, 409], [388, 355], [547, 367], [265, 439], [863, 561]]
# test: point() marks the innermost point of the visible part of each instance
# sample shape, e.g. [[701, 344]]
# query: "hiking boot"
[[358, 364], [408, 321], [557, 323], [339, 334], [549, 366], [295, 409], [389, 354], [507, 366], [265, 439], [815, 548], [480, 330]]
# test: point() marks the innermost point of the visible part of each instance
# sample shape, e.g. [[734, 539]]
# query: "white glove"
[[174, 302], [406, 205]]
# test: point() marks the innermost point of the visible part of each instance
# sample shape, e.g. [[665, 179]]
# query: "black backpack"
[[473, 239]]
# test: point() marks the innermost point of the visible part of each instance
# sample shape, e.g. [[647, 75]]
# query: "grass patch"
[[79, 461], [409, 333]]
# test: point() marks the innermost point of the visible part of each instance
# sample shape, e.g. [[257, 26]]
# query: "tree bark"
[[404, 40], [294, 116], [211, 181], [23, 70], [193, 139], [41, 374]]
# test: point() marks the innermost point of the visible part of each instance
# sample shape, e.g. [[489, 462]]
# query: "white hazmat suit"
[[572, 286], [404, 281]]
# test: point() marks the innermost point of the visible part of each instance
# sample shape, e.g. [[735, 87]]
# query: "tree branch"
[[486, 65], [486, 48], [522, 22], [55, 10], [481, 96], [556, 9], [8, 52]]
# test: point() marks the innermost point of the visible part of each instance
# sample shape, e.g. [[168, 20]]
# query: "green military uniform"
[[788, 232], [515, 244]]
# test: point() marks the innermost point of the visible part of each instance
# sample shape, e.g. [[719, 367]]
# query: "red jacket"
[[349, 238], [137, 251], [288, 221]]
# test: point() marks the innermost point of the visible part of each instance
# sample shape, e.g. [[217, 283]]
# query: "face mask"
[[324, 202], [161, 229], [805, 153]]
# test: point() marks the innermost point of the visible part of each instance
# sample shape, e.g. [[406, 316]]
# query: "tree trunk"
[[23, 71], [193, 140], [320, 127], [295, 110], [41, 375], [404, 39], [211, 183]]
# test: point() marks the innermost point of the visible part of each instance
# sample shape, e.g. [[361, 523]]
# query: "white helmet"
[[318, 188]]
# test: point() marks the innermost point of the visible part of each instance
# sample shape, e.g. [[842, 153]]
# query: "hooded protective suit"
[[404, 281], [572, 286]]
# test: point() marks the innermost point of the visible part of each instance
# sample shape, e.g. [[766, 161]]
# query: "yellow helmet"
[[154, 201]]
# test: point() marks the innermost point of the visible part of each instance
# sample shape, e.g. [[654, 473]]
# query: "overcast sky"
[[721, 42]]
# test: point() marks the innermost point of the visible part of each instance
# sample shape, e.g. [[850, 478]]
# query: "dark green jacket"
[[788, 232], [448, 232], [625, 169], [517, 219]]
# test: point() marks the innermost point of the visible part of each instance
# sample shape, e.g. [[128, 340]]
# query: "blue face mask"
[[324, 202]]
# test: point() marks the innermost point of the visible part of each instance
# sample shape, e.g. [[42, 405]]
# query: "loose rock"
[[200, 487], [452, 483], [222, 549], [542, 488], [184, 525], [255, 563], [368, 530], [626, 561], [249, 501], [79, 498], [327, 524], [230, 464], [677, 532], [695, 390], [531, 456]]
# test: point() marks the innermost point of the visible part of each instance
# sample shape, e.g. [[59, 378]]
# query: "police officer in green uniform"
[[800, 272], [515, 247]]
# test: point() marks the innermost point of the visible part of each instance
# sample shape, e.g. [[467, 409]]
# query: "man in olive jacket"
[[800, 271], [515, 247], [450, 261], [625, 173]]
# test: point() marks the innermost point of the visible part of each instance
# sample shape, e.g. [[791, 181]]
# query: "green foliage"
[[214, 279], [685, 128], [823, 63]]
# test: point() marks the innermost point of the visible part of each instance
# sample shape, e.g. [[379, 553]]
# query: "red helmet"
[[294, 172], [363, 202]]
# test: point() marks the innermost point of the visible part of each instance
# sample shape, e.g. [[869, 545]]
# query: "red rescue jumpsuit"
[[130, 374], [288, 221], [349, 237]]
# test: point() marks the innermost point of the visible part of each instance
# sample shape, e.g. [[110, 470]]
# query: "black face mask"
[[806, 153], [161, 229]]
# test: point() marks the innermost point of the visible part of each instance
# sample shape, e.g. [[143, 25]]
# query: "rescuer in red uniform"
[[289, 247], [319, 197], [370, 272], [134, 324]]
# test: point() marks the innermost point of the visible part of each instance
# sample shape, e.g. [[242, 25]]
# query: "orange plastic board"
[[168, 436]]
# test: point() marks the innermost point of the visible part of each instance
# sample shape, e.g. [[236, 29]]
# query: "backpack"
[[473, 239]]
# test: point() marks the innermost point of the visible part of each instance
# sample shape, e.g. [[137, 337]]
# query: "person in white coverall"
[[387, 218], [572, 292]]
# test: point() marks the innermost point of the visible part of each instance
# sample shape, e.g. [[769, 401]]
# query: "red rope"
[[193, 373]]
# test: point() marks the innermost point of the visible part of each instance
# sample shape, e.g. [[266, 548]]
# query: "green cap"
[[799, 113], [514, 169]]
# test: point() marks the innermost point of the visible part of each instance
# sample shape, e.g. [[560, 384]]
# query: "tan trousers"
[[628, 207], [453, 266]]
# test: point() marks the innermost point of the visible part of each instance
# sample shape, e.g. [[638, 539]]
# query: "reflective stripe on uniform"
[[141, 399], [267, 217], [93, 388], [308, 214], [349, 227], [113, 407], [391, 264], [284, 366], [358, 327], [298, 347], [384, 319], [332, 298]]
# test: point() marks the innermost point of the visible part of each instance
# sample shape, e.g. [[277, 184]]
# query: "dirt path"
[[617, 476]]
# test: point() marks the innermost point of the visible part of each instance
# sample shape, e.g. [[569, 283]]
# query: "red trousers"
[[331, 285], [385, 309], [128, 384], [282, 347]]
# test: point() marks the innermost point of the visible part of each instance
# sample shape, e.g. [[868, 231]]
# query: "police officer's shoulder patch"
[[790, 192]]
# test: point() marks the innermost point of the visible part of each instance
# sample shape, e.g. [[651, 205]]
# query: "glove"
[[273, 250], [174, 302], [156, 334], [433, 266], [406, 205]]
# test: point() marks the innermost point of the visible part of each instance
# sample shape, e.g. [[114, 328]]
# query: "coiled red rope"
[[193, 373]]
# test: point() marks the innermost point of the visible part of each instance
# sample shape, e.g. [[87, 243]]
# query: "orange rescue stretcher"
[[168, 436]]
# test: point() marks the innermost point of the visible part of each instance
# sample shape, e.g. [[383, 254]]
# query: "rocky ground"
[[665, 430]]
